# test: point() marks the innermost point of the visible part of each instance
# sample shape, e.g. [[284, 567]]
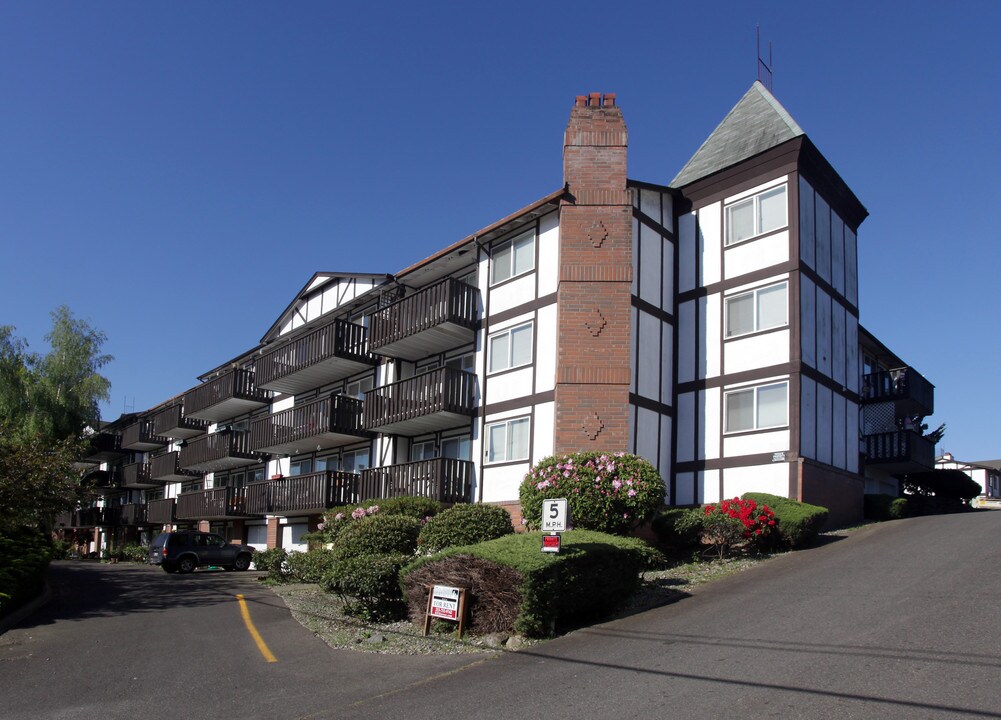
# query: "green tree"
[[46, 402]]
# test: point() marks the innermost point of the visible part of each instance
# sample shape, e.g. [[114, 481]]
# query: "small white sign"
[[445, 602], [554, 515]]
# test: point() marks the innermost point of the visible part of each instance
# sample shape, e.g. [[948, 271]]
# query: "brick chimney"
[[594, 296]]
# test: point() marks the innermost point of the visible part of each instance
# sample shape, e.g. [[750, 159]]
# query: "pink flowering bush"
[[608, 492]]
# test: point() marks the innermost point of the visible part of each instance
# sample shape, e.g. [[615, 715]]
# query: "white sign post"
[[554, 521]]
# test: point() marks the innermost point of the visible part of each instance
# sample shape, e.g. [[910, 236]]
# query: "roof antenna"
[[764, 69]]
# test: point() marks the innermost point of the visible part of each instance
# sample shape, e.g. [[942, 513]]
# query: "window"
[[756, 215], [757, 408], [757, 310], [354, 461], [513, 258], [358, 388], [507, 441], [422, 450], [511, 348], [462, 362], [300, 467], [457, 448]]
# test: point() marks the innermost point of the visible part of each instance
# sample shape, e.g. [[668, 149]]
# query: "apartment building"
[[709, 324]]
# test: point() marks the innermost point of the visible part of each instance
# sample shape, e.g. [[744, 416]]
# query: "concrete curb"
[[9, 621]]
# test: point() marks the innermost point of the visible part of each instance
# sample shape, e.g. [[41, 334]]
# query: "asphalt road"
[[898, 620]]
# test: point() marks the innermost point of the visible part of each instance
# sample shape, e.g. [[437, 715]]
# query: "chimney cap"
[[596, 99]]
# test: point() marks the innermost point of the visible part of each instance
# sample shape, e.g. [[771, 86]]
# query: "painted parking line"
[[261, 645]]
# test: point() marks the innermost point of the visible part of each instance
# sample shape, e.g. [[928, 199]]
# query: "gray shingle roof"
[[756, 123]]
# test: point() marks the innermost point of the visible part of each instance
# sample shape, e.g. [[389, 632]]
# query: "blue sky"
[[175, 172]]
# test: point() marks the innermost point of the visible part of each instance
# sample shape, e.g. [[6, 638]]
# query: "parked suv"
[[185, 550]]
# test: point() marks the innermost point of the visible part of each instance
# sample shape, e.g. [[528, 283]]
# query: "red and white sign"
[[444, 602], [551, 543]]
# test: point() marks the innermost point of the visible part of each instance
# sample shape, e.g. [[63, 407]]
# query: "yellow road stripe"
[[261, 645]]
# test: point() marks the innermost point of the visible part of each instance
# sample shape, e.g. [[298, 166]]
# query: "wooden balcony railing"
[[102, 447], [161, 512], [166, 468], [900, 451], [135, 475], [171, 422], [97, 517], [433, 400], [140, 436], [227, 396], [208, 504], [134, 514], [328, 422], [904, 386], [433, 319], [324, 355], [102, 481], [218, 451], [299, 494], [442, 479]]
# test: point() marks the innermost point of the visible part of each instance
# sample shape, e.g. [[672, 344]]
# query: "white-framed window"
[[457, 448], [756, 215], [358, 388], [759, 309], [510, 348], [423, 450], [507, 440], [513, 258], [757, 408], [462, 362]]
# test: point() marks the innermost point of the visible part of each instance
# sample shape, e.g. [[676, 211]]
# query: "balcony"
[[899, 452], [329, 422], [218, 451], [322, 356], [63, 520], [140, 437], [134, 514], [225, 397], [432, 320], [173, 423], [302, 494], [136, 476], [428, 402], [161, 512], [442, 479], [905, 387], [166, 468], [103, 447], [214, 504], [103, 482], [97, 517]]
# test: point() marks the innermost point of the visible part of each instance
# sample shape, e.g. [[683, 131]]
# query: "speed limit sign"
[[554, 515]]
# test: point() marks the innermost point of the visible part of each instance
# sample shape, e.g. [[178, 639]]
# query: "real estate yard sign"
[[446, 603]]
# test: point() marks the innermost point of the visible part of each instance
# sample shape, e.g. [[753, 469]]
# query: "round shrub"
[[797, 522], [899, 508], [369, 586], [309, 567], [378, 535], [464, 525], [274, 562], [605, 492], [415, 507], [876, 506], [678, 530]]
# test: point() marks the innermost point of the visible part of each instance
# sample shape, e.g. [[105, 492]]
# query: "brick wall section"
[[592, 381], [839, 491], [273, 535]]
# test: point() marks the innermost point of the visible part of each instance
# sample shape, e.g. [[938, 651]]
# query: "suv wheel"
[[187, 564], [242, 563]]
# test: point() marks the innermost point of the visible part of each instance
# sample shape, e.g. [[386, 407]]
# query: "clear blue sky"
[[175, 172]]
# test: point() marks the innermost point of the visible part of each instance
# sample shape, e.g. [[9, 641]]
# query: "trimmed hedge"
[[24, 557], [797, 523], [415, 507], [310, 566], [590, 576], [464, 525], [274, 562], [369, 585], [878, 506], [679, 530], [378, 535]]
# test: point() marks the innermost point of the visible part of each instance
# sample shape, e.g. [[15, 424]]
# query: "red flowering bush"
[[607, 492], [730, 522]]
